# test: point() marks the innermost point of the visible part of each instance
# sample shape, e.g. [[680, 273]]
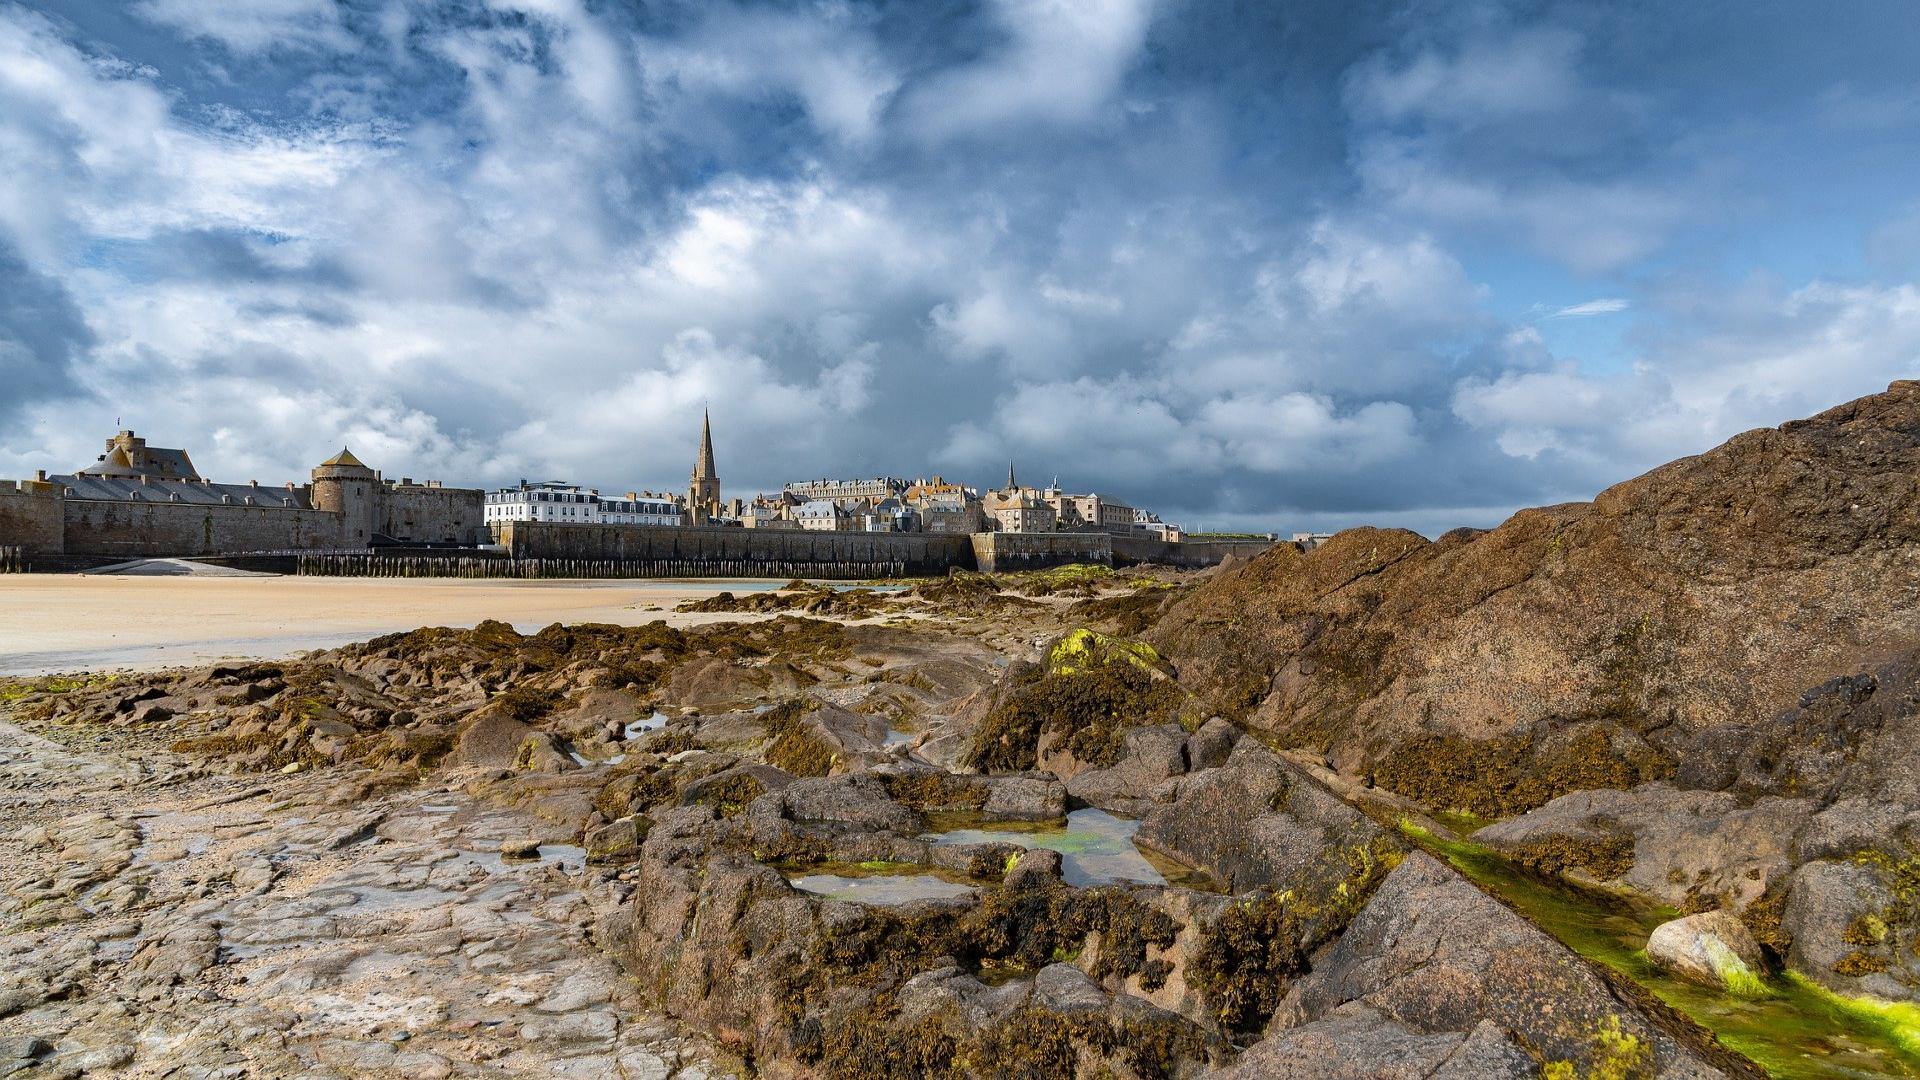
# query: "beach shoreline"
[[66, 622]]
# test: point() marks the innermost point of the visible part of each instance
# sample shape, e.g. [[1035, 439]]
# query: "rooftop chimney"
[[40, 474]]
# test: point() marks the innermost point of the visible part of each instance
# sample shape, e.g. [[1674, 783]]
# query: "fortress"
[[137, 501]]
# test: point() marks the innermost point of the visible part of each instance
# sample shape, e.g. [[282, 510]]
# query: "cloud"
[[1058, 61], [1526, 73], [1728, 361], [1500, 127], [42, 335], [824, 57], [1611, 305], [1240, 266], [252, 26]]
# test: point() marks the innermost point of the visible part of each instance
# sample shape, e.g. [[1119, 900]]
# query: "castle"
[[137, 501]]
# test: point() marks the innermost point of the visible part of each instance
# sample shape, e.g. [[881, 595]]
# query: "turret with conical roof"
[[703, 492], [345, 486]]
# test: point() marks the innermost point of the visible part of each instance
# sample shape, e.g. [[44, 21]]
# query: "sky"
[[1286, 267]]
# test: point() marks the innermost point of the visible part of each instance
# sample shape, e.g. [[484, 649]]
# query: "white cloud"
[[1530, 72], [1502, 129], [1062, 61], [821, 56], [1305, 433], [253, 26], [1611, 305], [1731, 361], [1130, 426]]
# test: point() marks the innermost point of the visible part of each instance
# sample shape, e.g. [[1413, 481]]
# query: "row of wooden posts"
[[469, 566]]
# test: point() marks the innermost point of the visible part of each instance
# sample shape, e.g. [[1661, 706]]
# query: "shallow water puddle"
[[879, 888], [1096, 848], [636, 728], [568, 857], [631, 731]]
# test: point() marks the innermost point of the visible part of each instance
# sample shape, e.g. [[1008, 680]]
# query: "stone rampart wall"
[[1186, 554], [32, 523], [433, 515], [1003, 552], [705, 549], [137, 528]]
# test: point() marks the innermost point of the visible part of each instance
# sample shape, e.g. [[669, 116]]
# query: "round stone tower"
[[344, 486]]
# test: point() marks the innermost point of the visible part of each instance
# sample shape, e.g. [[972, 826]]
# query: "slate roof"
[[159, 462], [122, 489]]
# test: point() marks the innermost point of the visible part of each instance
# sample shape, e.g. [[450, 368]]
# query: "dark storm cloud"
[[1278, 265], [42, 335]]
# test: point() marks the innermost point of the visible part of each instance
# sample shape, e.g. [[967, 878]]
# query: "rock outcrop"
[[1578, 646], [1463, 984]]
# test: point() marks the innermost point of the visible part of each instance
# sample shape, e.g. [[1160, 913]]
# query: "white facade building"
[[553, 500], [823, 515]]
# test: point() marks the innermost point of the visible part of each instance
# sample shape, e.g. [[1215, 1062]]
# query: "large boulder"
[[1356, 1042], [1024, 798], [1688, 849], [1849, 928], [491, 737], [1713, 949], [1148, 757], [1434, 954], [859, 801], [1257, 822]]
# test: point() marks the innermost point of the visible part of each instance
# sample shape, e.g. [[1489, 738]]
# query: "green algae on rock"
[[1091, 690], [1795, 1029]]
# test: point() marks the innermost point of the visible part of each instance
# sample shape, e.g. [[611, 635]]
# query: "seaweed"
[[1502, 777], [794, 743], [1093, 689]]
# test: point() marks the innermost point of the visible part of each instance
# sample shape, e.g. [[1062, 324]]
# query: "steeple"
[[703, 494], [1010, 484], [703, 469]]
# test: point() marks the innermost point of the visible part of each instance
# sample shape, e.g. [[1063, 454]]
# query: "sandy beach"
[[56, 623]]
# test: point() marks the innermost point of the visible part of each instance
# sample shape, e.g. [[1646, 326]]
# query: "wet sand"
[[63, 622]]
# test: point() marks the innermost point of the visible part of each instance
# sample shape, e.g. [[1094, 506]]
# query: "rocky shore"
[[785, 847], [1617, 790]]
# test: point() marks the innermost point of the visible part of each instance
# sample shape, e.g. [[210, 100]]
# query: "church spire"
[[703, 493], [1010, 484], [704, 469]]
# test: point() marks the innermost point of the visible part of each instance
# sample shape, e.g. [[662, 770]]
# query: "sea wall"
[[136, 528], [32, 522], [707, 551], [1000, 552], [1186, 554], [433, 515]]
